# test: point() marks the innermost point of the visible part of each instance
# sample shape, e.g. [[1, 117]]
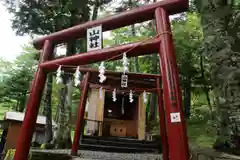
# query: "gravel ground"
[[97, 155], [118, 156]]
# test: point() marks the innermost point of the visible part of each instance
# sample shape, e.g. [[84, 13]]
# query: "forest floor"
[[201, 134]]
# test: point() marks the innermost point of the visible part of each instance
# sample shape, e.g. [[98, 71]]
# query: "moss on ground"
[[201, 133]]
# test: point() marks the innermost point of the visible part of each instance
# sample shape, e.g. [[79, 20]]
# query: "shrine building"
[[118, 113]]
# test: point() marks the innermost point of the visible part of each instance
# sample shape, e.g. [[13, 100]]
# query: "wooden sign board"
[[94, 38]]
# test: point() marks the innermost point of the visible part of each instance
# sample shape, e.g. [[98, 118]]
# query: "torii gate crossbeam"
[[176, 132]]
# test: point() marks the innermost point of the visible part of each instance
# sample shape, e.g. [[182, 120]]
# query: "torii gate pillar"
[[175, 124], [33, 104]]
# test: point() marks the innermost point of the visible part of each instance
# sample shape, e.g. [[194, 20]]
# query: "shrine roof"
[[135, 80], [18, 116]]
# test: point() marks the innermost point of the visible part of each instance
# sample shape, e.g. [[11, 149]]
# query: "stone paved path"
[[97, 155]]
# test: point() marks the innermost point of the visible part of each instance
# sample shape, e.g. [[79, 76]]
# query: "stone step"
[[118, 145], [121, 139], [117, 149]]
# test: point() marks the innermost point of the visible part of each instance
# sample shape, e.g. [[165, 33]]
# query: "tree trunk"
[[136, 64], [63, 135], [153, 98], [59, 137], [206, 88], [133, 32], [22, 104], [187, 97], [48, 109], [224, 69], [154, 70], [69, 112], [95, 10], [15, 108], [153, 107]]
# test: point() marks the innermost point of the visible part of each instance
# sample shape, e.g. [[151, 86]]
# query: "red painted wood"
[[80, 115], [137, 15], [161, 110], [103, 54], [28, 125], [177, 137]]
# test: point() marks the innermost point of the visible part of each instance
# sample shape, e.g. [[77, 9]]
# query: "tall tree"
[[220, 20], [5, 69], [48, 109], [48, 17], [188, 39], [17, 81]]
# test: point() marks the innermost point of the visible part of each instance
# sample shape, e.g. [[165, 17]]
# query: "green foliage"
[[50, 16], [188, 41], [220, 21], [3, 109], [10, 154], [42, 146], [5, 66], [15, 87], [124, 36]]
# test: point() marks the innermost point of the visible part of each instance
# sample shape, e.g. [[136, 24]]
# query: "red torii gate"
[[177, 147]]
